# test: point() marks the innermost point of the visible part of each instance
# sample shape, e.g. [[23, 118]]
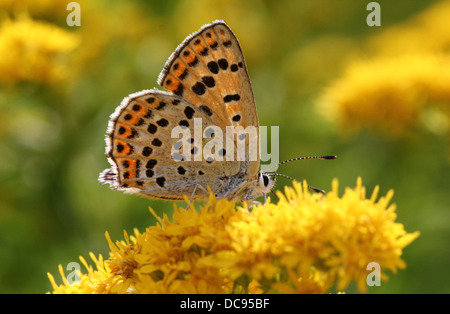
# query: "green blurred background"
[[53, 117]]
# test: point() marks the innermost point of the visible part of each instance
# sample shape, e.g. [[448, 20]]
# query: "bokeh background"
[[378, 97]]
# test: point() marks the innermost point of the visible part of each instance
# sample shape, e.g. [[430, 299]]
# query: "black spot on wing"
[[199, 88]]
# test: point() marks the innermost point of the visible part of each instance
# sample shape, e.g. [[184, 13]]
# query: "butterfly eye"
[[266, 180]]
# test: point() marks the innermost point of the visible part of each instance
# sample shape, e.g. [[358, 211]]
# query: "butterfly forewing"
[[208, 69]]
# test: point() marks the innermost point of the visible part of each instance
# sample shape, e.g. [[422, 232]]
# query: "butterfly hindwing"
[[147, 158]]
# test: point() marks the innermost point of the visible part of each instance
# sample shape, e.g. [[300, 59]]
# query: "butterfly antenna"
[[302, 158], [273, 192], [292, 179]]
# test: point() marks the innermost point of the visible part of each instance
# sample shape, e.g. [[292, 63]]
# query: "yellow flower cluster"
[[403, 86], [389, 94], [307, 243], [38, 46], [52, 9], [34, 51]]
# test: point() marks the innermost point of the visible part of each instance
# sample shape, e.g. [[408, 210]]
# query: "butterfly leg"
[[252, 197], [193, 194], [253, 202]]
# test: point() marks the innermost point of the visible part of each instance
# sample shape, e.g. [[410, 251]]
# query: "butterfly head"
[[264, 184], [266, 180]]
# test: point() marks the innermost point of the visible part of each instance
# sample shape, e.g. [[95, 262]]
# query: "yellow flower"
[[388, 94], [306, 243], [303, 232], [52, 9], [34, 51], [429, 31], [98, 281], [402, 86], [316, 282]]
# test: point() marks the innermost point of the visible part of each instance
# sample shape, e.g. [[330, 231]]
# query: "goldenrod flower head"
[[388, 94], [34, 51], [402, 85], [428, 31], [306, 243], [53, 9]]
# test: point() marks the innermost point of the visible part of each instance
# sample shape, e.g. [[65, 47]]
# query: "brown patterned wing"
[[148, 159], [208, 70]]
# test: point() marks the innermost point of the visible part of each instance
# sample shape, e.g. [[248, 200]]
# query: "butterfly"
[[209, 86]]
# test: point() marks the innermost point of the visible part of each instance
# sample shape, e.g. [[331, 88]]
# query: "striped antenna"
[[292, 179], [302, 158]]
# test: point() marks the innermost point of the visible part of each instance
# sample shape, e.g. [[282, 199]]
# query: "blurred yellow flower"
[[34, 51], [306, 243], [429, 31], [388, 94], [48, 9], [403, 86]]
